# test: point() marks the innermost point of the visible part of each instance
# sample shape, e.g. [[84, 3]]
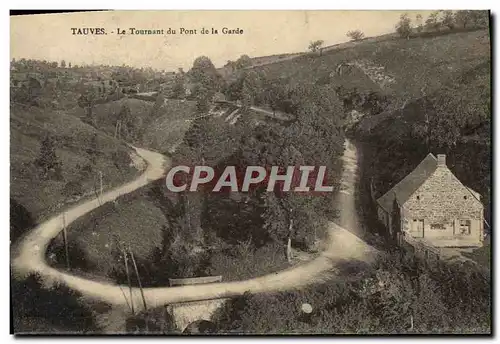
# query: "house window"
[[418, 197], [437, 226], [464, 227], [465, 197]]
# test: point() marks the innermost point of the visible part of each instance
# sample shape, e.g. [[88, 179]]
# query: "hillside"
[[81, 150], [429, 93], [421, 64], [157, 125], [455, 120]]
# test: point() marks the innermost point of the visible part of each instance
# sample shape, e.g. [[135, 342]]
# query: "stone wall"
[[187, 312], [441, 202]]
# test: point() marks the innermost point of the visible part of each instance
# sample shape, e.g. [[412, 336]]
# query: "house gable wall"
[[442, 200]]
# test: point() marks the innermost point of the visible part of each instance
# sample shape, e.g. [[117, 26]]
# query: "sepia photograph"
[[285, 172]]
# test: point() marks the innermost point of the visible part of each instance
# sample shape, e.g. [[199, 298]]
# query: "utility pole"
[[289, 243], [118, 128], [138, 278], [65, 239], [128, 280], [100, 184]]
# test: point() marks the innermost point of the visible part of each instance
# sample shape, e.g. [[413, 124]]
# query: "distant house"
[[431, 208], [102, 87]]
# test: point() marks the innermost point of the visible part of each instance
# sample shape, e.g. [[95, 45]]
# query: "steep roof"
[[406, 187]]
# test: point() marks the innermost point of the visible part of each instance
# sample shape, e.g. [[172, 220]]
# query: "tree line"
[[436, 21], [441, 20]]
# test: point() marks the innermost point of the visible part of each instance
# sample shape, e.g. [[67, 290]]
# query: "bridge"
[[188, 316], [195, 316]]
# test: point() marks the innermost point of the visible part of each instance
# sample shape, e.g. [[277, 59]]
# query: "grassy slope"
[[107, 114], [28, 128], [470, 84], [161, 130], [415, 63], [168, 129], [137, 221]]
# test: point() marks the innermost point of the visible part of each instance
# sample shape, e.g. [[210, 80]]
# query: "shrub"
[[153, 321], [121, 158], [73, 188], [57, 304]]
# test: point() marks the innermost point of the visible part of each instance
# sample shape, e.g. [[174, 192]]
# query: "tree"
[[47, 160], [63, 64], [202, 99], [403, 27], [355, 35], [315, 46], [205, 73], [69, 65], [243, 62], [127, 121], [463, 18], [448, 19], [419, 23], [92, 150], [246, 96], [179, 90], [480, 19], [432, 23], [87, 101]]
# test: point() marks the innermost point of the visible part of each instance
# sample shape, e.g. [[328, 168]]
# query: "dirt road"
[[341, 245]]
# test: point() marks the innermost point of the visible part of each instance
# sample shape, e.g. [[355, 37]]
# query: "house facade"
[[431, 208]]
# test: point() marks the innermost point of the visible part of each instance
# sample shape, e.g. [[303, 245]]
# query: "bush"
[[73, 188], [121, 158], [57, 304], [397, 295], [153, 321], [21, 220], [85, 171]]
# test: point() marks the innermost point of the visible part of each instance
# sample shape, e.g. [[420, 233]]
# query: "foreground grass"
[[242, 263], [96, 240]]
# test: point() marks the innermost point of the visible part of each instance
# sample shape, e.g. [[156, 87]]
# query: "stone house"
[[431, 209], [102, 87]]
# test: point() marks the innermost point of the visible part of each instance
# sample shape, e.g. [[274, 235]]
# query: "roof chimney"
[[441, 160]]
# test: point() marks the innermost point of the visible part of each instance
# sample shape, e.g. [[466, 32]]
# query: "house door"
[[419, 228]]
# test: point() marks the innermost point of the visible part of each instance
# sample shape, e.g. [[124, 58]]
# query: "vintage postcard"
[[250, 172]]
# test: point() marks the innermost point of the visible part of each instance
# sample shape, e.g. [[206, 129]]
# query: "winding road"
[[341, 245]]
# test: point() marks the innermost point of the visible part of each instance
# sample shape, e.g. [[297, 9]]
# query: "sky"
[[49, 36]]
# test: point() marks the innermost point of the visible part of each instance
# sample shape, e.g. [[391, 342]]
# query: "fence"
[[194, 280]]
